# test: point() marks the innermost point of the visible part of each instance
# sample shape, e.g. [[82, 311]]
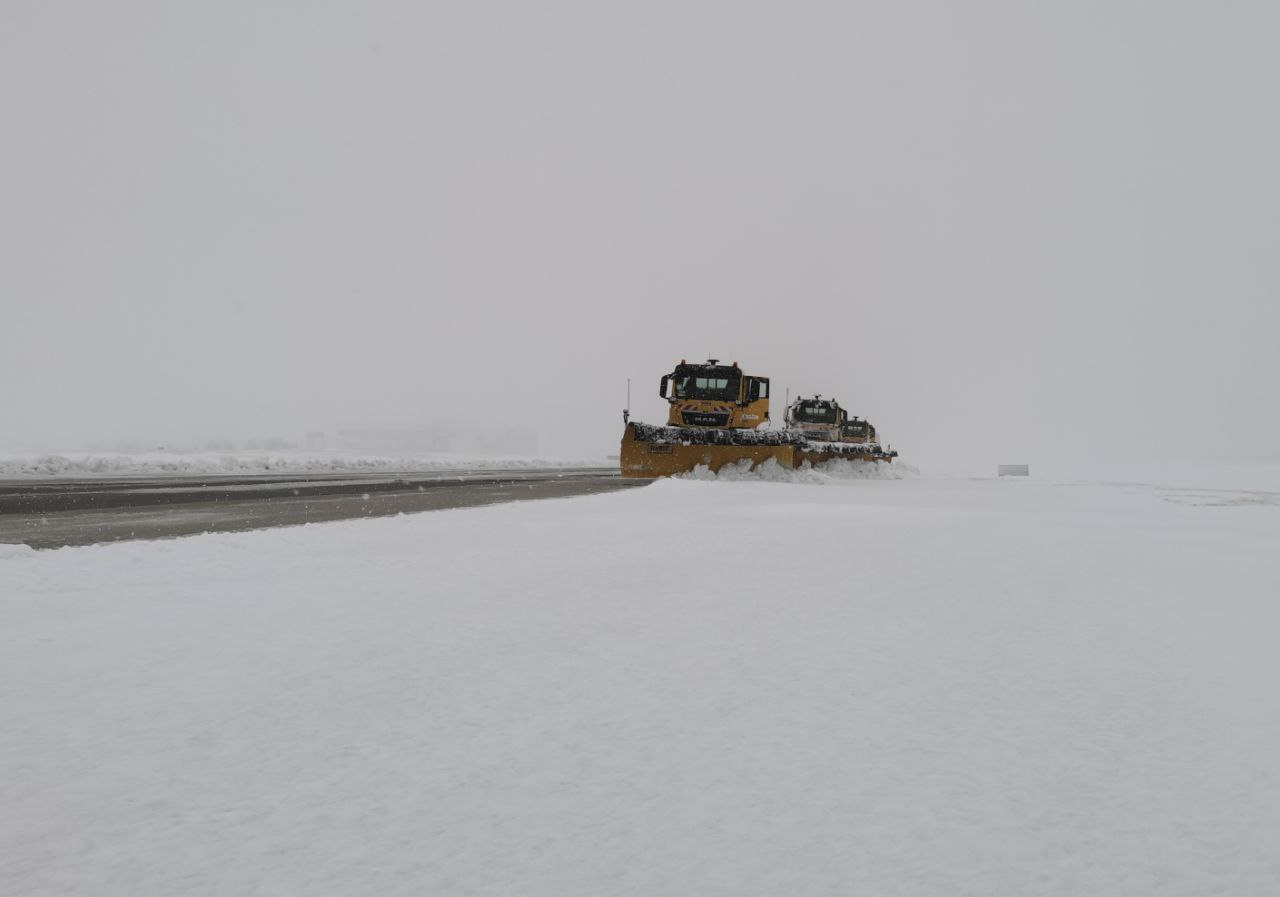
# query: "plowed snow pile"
[[835, 469], [912, 687], [90, 464]]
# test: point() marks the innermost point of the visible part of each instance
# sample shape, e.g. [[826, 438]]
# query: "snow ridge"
[[825, 472], [91, 464]]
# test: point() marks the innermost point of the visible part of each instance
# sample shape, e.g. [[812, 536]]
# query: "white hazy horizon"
[[1001, 232]]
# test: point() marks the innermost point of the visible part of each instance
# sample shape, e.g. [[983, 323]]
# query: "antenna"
[[626, 412]]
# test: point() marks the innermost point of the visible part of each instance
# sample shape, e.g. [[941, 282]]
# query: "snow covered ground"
[[916, 687], [96, 464]]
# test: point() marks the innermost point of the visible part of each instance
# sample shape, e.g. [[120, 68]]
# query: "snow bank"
[[91, 464], [914, 687], [826, 472]]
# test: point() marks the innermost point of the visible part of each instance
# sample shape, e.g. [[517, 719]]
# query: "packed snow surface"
[[97, 464], [846, 686]]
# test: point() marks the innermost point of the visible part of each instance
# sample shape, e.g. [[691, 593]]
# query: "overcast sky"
[[1003, 231]]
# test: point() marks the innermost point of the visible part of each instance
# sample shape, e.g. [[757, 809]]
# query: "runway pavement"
[[56, 513]]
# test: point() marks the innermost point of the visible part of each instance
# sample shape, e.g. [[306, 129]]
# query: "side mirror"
[[662, 390]]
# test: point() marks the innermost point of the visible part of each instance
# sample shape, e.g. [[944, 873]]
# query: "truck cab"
[[817, 418], [859, 431], [716, 396]]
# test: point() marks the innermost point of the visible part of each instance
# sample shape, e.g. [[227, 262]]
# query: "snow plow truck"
[[824, 419], [713, 420]]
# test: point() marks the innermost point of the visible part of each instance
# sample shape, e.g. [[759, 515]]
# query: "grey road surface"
[[53, 514]]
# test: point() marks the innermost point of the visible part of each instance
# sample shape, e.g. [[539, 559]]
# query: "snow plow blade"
[[649, 451]]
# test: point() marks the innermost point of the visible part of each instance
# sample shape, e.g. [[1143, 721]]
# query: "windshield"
[[816, 413], [858, 429], [706, 385]]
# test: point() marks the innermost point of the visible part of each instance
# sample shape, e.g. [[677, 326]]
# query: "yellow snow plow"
[[714, 410]]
